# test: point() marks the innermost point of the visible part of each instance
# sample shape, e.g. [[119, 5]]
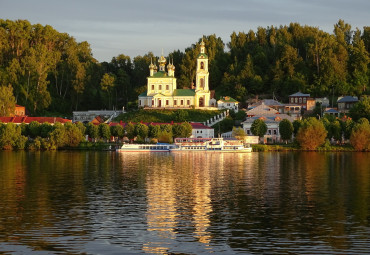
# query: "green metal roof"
[[184, 92], [202, 55], [160, 74], [228, 100], [144, 94]]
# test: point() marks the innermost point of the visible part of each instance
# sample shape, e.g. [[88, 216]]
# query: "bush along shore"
[[310, 134]]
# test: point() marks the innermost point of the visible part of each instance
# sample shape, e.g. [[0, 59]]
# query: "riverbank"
[[106, 146], [294, 147]]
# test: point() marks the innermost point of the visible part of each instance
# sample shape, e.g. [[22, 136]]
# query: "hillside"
[[190, 115]]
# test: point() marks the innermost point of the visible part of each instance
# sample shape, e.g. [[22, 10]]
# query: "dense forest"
[[50, 73]]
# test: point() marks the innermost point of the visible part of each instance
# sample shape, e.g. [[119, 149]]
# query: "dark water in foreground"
[[115, 203]]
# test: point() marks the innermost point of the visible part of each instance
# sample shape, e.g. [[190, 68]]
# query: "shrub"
[[311, 134], [360, 137]]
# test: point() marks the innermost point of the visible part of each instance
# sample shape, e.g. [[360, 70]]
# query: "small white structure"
[[228, 103], [201, 131], [87, 116]]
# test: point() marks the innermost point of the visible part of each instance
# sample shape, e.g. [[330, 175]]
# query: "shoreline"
[[98, 146]]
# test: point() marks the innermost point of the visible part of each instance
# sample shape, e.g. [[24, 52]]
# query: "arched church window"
[[201, 65], [201, 82]]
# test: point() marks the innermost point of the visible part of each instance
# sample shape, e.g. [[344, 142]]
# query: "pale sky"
[[135, 27]]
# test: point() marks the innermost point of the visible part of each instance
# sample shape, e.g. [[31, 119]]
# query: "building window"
[[274, 131], [182, 102], [292, 100], [296, 100], [152, 87], [201, 65], [152, 102], [167, 87], [167, 103], [188, 102], [269, 131], [160, 87], [174, 102], [139, 102], [304, 100], [201, 82], [248, 132], [300, 100]]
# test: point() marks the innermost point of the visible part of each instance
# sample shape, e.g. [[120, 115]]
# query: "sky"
[[136, 27]]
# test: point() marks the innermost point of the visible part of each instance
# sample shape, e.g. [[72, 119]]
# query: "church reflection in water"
[[178, 201]]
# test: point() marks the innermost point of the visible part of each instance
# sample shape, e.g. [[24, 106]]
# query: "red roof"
[[28, 120], [194, 125]]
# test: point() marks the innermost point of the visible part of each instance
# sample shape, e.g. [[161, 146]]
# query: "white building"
[[202, 131], [228, 103], [270, 116], [162, 90]]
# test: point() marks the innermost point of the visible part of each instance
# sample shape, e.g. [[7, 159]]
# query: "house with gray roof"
[[346, 103], [270, 116], [302, 99]]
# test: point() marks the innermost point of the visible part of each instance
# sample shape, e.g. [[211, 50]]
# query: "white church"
[[163, 93]]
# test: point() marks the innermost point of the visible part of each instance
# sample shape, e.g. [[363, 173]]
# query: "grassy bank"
[[293, 147], [167, 115]]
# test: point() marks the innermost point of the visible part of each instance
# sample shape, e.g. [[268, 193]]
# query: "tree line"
[[50, 72], [36, 136], [311, 132]]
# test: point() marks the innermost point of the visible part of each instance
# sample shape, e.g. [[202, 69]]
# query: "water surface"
[[190, 203]]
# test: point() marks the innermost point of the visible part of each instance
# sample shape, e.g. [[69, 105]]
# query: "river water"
[[186, 203]]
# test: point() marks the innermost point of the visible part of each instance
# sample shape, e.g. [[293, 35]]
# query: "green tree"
[[176, 130], [141, 131], [130, 131], [11, 137], [187, 129], [286, 129], [311, 134], [58, 136], [34, 129], [166, 127], [154, 131], [73, 135], [117, 131], [360, 137], [7, 101], [238, 133], [107, 84], [259, 128], [81, 127], [296, 125], [92, 131], [44, 129], [347, 126], [361, 109], [181, 130], [104, 131]]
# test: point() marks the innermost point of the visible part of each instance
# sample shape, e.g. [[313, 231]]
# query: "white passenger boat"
[[159, 147], [209, 145]]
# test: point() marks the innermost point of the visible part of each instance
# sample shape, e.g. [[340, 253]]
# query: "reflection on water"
[[191, 203]]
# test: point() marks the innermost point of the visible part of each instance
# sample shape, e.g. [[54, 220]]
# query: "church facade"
[[163, 93]]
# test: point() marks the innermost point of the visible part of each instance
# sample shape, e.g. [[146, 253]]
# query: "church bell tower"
[[202, 75]]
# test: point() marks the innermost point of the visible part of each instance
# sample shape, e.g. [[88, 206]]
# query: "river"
[[187, 203]]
